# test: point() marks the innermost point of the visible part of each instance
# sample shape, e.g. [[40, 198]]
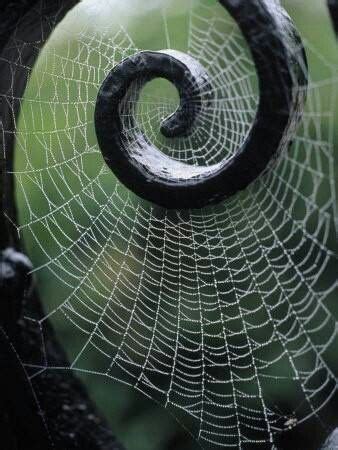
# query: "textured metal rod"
[[281, 66], [25, 26]]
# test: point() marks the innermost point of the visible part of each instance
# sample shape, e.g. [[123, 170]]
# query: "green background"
[[138, 422]]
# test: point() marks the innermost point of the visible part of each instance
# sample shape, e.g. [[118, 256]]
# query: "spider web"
[[223, 315]]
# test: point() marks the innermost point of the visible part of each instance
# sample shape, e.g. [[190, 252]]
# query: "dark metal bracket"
[[53, 409]]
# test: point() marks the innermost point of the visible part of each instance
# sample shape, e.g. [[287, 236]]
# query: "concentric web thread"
[[223, 315]]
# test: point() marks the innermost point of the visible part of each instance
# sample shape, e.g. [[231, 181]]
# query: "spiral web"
[[218, 314]]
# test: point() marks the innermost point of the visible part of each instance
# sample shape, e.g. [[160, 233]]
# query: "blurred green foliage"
[[139, 423]]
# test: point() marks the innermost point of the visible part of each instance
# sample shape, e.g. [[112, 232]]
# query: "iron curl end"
[[281, 66]]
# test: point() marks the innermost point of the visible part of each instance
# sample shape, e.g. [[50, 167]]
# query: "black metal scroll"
[[281, 66]]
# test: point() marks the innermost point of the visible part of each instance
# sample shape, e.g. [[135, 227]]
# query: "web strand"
[[204, 311]]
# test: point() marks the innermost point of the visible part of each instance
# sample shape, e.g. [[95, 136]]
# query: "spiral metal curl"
[[281, 66]]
